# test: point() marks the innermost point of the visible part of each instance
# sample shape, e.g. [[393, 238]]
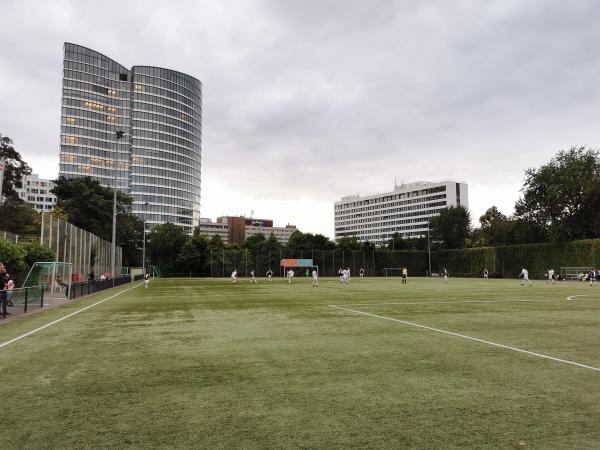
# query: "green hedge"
[[507, 261]]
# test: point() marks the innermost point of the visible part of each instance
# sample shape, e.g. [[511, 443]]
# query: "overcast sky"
[[307, 101]]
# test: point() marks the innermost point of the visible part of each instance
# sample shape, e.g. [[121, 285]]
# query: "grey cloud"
[[339, 96]]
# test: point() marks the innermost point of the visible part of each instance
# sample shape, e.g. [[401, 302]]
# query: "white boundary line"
[[470, 338], [18, 338], [447, 303], [573, 297]]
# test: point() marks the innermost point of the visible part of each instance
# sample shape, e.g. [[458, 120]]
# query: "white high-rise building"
[[37, 192], [406, 210]]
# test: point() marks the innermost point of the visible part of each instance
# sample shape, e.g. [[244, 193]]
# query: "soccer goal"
[[392, 271], [574, 273], [54, 278]]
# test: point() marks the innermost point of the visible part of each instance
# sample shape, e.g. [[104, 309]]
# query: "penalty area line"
[[470, 338], [29, 333]]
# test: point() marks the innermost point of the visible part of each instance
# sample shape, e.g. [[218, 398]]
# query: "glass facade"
[[158, 159]]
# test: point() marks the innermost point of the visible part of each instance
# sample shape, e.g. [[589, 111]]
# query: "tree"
[[398, 243], [562, 195], [19, 217], [254, 242], [165, 243], [89, 206], [14, 169], [193, 256], [496, 228], [348, 243], [452, 227]]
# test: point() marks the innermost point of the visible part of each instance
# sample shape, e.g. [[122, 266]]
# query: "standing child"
[[9, 291], [315, 278], [234, 276], [445, 273], [270, 275], [361, 272], [146, 280], [485, 274], [252, 277], [404, 275]]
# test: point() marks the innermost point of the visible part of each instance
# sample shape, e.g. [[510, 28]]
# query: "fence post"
[[42, 300], [26, 295]]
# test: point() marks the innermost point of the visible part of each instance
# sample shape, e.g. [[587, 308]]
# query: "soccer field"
[[199, 363]]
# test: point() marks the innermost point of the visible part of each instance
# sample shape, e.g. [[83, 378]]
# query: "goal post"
[[574, 273], [54, 278], [392, 271]]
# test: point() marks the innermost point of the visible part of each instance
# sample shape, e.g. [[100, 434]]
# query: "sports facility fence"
[[10, 236], [501, 262], [328, 261], [87, 252]]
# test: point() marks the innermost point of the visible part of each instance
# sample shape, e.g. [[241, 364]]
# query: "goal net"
[[392, 271], [574, 273], [54, 278]]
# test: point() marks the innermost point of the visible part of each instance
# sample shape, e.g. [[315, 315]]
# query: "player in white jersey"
[[485, 274], [146, 280], [315, 279], [525, 275], [341, 274], [290, 276], [270, 275], [345, 276], [550, 273], [252, 277], [234, 276], [445, 274]]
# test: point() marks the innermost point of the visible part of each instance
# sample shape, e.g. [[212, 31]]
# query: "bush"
[[12, 255], [35, 252]]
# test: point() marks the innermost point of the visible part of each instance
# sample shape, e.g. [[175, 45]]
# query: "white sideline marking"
[[482, 341], [4, 344], [448, 303], [572, 297]]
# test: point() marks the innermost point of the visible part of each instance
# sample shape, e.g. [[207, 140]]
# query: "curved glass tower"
[[157, 157]]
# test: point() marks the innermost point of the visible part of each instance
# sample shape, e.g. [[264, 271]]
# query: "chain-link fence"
[[10, 236], [222, 263], [89, 254]]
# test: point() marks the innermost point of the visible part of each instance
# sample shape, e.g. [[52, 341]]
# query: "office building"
[[37, 192], [406, 210], [209, 229], [137, 129], [236, 229]]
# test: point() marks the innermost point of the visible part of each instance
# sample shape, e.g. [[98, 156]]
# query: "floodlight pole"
[[429, 245], [144, 245], [119, 135]]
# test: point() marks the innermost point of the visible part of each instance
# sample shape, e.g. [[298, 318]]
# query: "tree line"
[[559, 202]]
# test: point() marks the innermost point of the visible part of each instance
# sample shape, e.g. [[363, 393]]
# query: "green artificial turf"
[[199, 363]]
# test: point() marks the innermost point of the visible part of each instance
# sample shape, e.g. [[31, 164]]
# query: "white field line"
[[470, 338], [29, 333], [448, 303], [572, 297]]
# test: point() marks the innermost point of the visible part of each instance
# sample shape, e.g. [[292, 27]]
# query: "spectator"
[[3, 292], [10, 285]]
